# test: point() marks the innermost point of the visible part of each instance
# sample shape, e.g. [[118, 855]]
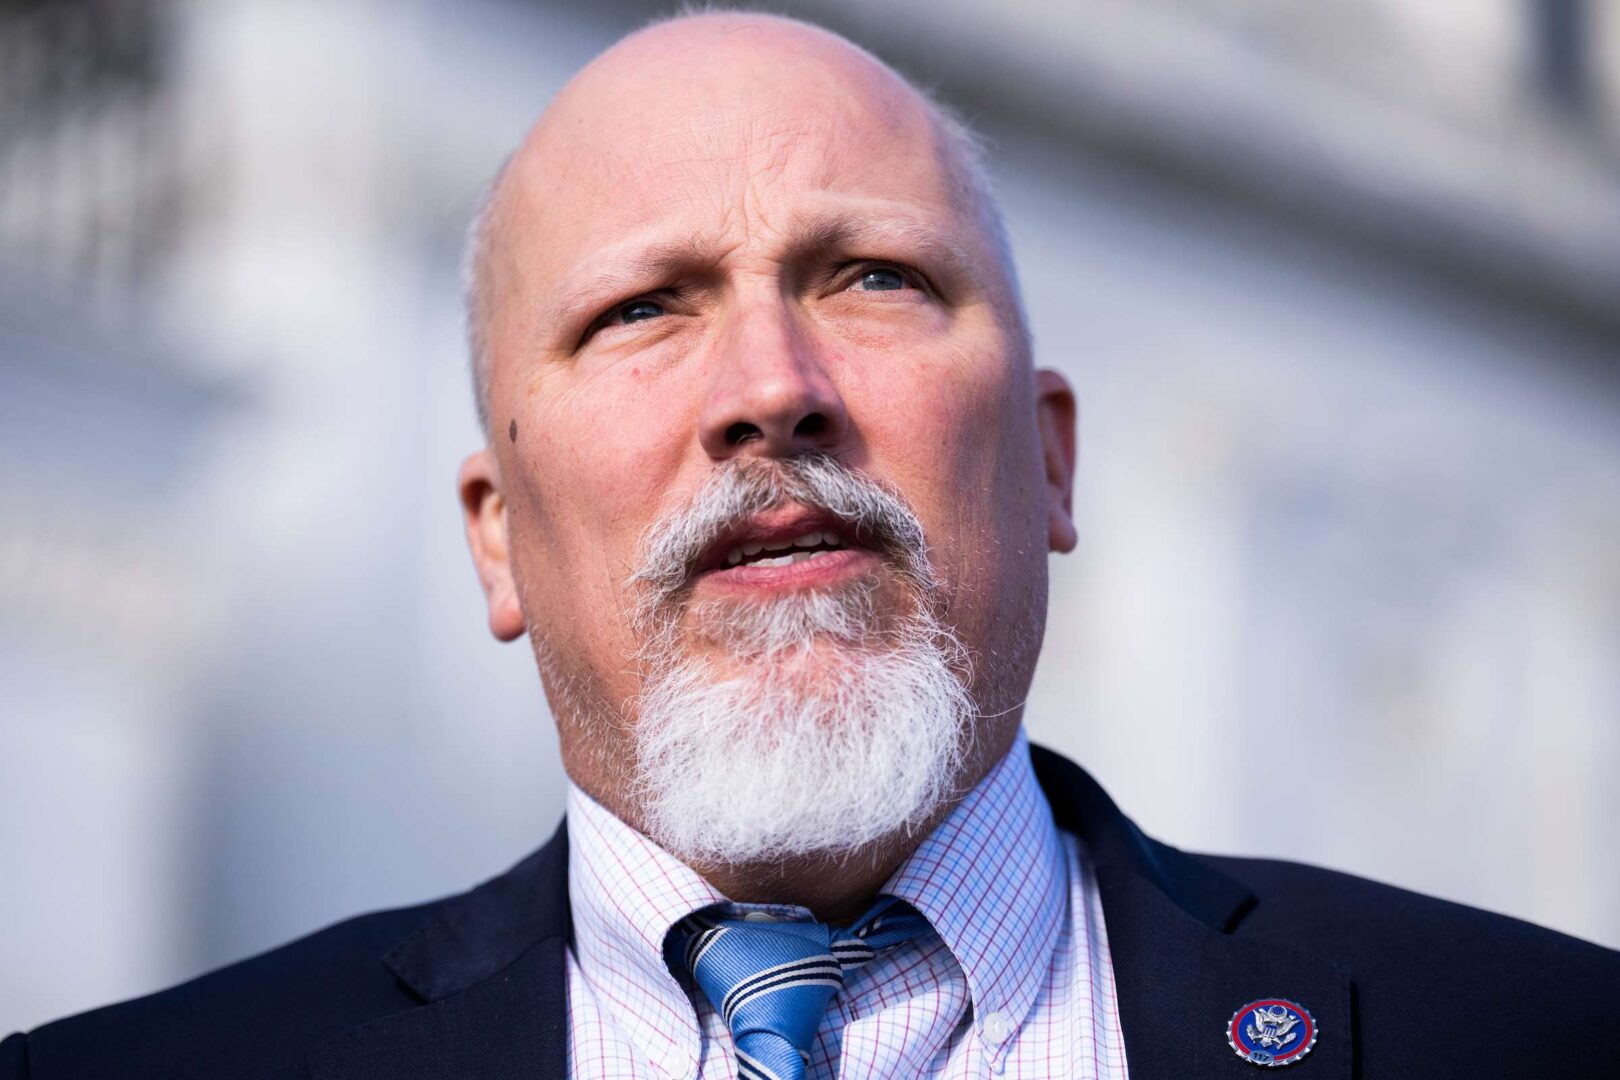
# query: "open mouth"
[[778, 540], [801, 548]]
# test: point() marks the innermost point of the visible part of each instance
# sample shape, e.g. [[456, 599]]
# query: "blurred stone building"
[[1338, 284]]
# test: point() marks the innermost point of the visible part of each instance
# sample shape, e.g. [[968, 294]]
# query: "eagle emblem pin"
[[1271, 1032]]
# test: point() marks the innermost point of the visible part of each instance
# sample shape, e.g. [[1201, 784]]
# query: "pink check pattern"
[[1015, 981]]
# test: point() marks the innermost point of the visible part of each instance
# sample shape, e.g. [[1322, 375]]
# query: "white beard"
[[823, 737]]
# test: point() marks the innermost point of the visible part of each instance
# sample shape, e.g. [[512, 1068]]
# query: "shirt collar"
[[626, 893], [989, 879]]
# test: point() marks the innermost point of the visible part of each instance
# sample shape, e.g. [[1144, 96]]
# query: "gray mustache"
[[742, 488]]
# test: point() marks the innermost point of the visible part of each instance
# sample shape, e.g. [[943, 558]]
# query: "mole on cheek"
[[511, 431]]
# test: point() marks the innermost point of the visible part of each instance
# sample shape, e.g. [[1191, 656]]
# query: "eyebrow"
[[621, 270], [618, 270], [853, 232]]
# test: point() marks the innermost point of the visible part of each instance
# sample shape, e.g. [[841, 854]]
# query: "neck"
[[837, 888]]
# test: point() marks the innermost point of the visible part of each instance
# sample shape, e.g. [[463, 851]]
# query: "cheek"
[[948, 419], [951, 429], [591, 462]]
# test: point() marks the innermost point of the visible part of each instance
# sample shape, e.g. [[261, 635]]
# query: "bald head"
[[691, 86]]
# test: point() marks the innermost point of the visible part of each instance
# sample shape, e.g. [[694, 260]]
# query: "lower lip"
[[822, 570]]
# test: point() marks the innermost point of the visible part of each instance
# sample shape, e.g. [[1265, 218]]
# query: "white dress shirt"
[[1015, 981]]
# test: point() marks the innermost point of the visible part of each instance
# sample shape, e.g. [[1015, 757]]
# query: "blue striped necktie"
[[771, 980]]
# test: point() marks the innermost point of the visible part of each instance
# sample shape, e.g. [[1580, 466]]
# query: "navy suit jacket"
[[472, 987]]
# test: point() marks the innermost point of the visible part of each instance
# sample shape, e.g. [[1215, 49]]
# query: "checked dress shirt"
[[1014, 981]]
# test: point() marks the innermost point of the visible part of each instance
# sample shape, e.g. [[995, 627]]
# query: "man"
[[769, 486]]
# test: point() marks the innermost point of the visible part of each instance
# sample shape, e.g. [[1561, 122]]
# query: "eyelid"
[[656, 296], [852, 272]]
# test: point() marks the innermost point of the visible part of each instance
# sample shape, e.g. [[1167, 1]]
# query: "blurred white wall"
[[1347, 588]]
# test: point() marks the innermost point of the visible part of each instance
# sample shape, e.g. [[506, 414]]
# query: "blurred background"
[[1338, 284]]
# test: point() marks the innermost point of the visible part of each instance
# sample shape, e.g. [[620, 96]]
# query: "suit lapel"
[[511, 1026], [1182, 964], [490, 969]]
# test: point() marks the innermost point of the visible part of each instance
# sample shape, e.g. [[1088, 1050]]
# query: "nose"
[[771, 395]]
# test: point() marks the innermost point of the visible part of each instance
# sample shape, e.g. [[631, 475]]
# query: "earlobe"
[[1055, 417], [483, 507]]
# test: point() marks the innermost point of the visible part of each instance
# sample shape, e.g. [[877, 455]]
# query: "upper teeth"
[[808, 540]]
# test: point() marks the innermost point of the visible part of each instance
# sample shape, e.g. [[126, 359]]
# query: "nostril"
[[742, 432], [811, 426]]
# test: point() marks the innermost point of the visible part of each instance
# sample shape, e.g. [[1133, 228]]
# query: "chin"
[[805, 728]]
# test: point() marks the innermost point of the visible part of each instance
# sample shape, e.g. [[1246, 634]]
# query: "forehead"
[[726, 137]]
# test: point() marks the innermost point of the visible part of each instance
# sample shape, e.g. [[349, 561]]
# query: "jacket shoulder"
[[1296, 899], [254, 1018], [1404, 950]]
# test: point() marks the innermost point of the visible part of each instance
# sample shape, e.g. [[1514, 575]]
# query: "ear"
[[1055, 416], [484, 507]]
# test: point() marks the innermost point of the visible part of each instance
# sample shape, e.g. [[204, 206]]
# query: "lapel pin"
[[1271, 1032]]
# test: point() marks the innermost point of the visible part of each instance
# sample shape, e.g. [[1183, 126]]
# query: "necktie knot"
[[771, 981]]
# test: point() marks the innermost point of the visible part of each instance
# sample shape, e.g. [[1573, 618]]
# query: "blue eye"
[[882, 279], [637, 310]]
